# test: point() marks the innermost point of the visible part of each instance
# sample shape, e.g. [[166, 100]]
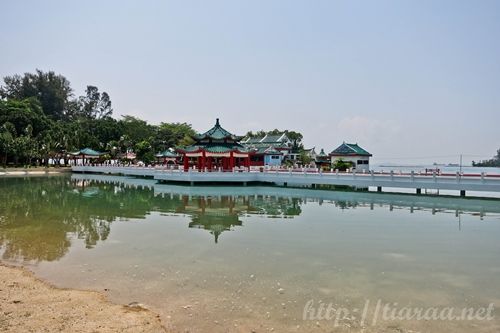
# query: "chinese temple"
[[268, 149], [216, 149], [322, 160]]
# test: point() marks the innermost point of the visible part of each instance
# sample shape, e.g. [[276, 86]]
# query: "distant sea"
[[443, 168]]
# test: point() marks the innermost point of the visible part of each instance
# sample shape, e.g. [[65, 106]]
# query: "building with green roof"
[[353, 153], [268, 149], [322, 159], [169, 156]]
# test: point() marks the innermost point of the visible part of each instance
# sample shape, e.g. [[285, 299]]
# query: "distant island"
[[494, 162]]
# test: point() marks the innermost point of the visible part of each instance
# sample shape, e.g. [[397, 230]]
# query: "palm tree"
[[7, 136], [50, 146]]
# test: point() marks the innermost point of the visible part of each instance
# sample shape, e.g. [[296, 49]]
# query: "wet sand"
[[28, 304]]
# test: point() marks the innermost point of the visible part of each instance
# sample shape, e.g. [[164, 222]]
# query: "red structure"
[[216, 149]]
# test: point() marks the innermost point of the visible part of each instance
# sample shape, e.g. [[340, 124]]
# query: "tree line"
[[42, 119], [494, 162]]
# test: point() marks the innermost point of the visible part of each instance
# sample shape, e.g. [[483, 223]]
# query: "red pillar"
[[209, 163], [247, 162], [231, 161], [202, 166], [186, 162], [224, 163]]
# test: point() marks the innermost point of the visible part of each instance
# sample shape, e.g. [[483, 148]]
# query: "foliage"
[[494, 162], [52, 91], [94, 105], [342, 165], [304, 158], [41, 119], [171, 135], [144, 151]]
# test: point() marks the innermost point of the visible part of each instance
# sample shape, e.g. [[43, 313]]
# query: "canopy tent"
[[87, 153]]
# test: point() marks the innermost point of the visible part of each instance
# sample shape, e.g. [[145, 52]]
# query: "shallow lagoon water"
[[242, 259]]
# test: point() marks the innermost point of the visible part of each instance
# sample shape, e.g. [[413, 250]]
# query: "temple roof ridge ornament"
[[217, 132]]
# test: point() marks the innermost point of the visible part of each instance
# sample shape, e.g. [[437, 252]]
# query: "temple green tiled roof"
[[271, 138], [253, 140], [167, 153], [266, 150], [218, 149], [349, 149], [322, 157], [215, 147], [266, 145], [272, 151], [87, 152], [216, 133], [280, 138]]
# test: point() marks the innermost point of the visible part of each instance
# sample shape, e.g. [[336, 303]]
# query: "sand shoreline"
[[36, 171], [29, 304]]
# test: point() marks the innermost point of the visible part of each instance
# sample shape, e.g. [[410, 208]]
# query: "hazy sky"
[[410, 81]]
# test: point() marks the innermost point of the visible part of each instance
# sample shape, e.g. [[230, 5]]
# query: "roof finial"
[[217, 122]]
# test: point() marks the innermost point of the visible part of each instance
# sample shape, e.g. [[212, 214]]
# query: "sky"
[[409, 81]]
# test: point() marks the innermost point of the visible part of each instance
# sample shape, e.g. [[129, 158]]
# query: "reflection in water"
[[277, 248], [39, 216]]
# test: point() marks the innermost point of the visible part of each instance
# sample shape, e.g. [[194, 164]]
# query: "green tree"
[[171, 135], [144, 152], [7, 137], [296, 139], [494, 162], [23, 113], [342, 165], [137, 129], [50, 145], [304, 158], [53, 91], [95, 105]]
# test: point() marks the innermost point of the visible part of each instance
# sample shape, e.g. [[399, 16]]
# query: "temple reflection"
[[214, 214]]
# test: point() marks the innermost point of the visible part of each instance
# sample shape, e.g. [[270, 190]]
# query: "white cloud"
[[367, 131]]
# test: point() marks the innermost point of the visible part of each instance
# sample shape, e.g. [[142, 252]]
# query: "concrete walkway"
[[462, 183]]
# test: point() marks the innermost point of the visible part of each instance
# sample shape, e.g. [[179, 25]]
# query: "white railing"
[[457, 181]]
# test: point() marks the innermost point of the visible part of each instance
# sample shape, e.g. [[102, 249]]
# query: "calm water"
[[242, 259], [443, 168]]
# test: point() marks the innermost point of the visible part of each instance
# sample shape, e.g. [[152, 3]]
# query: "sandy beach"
[[35, 171], [28, 304]]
